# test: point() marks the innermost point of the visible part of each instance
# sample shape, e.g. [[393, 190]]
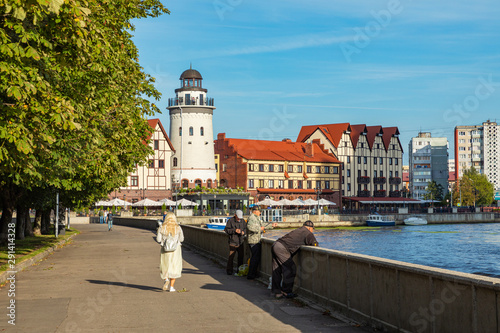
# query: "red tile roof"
[[452, 176], [406, 176], [332, 131], [371, 134], [389, 132], [356, 131], [280, 151], [152, 123]]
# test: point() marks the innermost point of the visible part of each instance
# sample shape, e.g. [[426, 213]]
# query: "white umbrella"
[[323, 202], [285, 202], [298, 202], [186, 203], [267, 202], [118, 202], [167, 202], [147, 203], [310, 202], [101, 203]]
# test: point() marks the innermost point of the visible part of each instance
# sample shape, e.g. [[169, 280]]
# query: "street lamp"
[[318, 192]]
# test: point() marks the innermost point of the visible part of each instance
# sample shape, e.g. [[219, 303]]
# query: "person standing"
[[235, 228], [109, 220], [170, 262], [283, 250], [255, 228]]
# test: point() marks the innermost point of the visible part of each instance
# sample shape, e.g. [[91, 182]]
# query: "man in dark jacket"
[[283, 251], [236, 229]]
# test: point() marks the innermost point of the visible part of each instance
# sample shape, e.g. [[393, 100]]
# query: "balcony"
[[379, 180], [395, 194], [394, 180], [190, 102], [379, 193], [363, 180], [364, 193]]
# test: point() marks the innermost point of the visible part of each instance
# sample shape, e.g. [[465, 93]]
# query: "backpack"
[[170, 243]]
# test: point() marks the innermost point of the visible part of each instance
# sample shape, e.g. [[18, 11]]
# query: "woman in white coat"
[[170, 262]]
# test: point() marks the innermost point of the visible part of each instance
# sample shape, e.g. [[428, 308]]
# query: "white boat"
[[376, 220], [217, 222], [415, 220]]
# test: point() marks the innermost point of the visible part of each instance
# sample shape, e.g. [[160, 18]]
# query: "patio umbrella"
[[323, 202], [147, 203], [167, 202], [267, 202], [298, 202], [310, 202], [186, 203], [286, 202], [101, 203], [118, 202]]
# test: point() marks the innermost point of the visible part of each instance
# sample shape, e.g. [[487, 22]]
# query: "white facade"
[[191, 134], [491, 139]]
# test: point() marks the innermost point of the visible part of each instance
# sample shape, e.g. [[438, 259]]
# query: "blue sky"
[[273, 67]]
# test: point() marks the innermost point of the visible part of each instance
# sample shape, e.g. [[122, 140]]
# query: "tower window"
[[202, 131], [180, 131], [156, 145], [161, 164], [191, 132], [175, 161], [209, 183]]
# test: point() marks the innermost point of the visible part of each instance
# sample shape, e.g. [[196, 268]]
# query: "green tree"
[[475, 189], [434, 191], [74, 99]]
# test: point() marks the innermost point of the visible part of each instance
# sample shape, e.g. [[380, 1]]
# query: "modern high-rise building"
[[191, 133], [478, 146], [428, 158]]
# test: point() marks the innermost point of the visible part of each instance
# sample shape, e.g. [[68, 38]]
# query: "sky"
[[273, 67]]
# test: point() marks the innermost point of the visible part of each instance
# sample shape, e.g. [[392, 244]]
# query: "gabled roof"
[[152, 123], [332, 131], [280, 151], [356, 131], [371, 134], [389, 132]]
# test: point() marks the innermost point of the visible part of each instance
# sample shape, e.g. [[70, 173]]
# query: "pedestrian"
[[235, 228], [255, 228], [109, 220], [283, 250], [170, 262]]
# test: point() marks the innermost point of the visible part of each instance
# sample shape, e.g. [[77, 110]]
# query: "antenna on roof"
[[190, 65]]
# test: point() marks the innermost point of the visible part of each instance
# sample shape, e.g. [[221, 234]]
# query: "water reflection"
[[468, 248]]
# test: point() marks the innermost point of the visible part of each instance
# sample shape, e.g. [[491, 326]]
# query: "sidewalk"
[[110, 282]]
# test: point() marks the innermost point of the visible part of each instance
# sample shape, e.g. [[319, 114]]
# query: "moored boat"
[[217, 222], [415, 220], [376, 220]]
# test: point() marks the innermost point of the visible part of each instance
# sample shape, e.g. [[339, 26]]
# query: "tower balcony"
[[190, 102], [379, 180], [394, 180], [364, 180]]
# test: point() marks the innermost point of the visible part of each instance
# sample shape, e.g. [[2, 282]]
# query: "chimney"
[[221, 136], [309, 149], [287, 140]]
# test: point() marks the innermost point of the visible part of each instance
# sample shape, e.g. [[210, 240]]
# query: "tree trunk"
[[5, 224], [8, 196], [37, 226], [46, 221], [20, 220], [28, 227]]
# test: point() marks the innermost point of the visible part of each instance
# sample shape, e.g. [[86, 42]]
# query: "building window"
[[250, 167], [365, 160], [327, 184], [336, 170], [348, 186], [271, 183], [134, 181], [151, 163], [209, 183], [290, 184], [299, 184], [348, 172], [318, 169], [308, 168], [161, 164], [280, 168], [290, 168], [197, 183], [309, 185], [299, 168], [318, 184], [224, 167], [390, 160], [348, 159], [250, 183], [271, 167], [381, 160], [185, 183], [281, 184], [175, 161], [261, 183], [397, 174], [261, 167], [202, 131], [156, 145], [375, 173], [180, 131], [191, 131], [396, 161], [374, 160], [327, 169], [359, 159]]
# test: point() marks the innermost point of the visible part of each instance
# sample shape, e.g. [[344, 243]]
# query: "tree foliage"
[[434, 191], [74, 99], [473, 189]]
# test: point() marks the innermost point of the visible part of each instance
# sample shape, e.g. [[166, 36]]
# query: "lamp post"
[[318, 192]]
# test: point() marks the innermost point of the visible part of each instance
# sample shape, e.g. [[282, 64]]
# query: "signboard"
[[497, 195]]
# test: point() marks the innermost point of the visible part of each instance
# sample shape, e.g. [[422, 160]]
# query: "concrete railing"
[[388, 294]]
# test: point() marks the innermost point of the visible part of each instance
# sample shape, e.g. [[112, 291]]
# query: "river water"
[[468, 248]]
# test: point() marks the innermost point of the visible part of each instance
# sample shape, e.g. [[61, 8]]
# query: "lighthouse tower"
[[191, 133]]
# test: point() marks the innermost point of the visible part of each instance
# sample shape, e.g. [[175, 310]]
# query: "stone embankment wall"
[[392, 295]]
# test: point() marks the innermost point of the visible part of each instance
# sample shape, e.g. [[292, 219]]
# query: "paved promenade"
[[110, 282]]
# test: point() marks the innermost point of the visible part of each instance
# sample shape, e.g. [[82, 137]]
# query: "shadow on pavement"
[[121, 284]]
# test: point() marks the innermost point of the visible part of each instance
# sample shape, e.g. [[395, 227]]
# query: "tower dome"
[[190, 74]]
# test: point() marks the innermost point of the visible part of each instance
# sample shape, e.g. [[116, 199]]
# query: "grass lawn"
[[31, 246]]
